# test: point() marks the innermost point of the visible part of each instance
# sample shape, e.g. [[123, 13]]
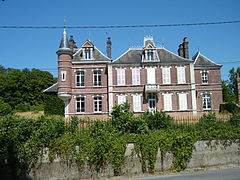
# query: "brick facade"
[[88, 81]]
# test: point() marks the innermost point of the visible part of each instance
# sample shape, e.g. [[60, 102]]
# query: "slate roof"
[[202, 61], [51, 89], [97, 55], [165, 56]]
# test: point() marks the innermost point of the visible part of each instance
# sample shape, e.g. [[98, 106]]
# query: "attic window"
[[150, 56], [87, 54]]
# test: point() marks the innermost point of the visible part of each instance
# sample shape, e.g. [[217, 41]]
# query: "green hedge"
[[53, 105], [229, 107]]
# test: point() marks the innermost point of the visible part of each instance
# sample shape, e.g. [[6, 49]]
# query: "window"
[[135, 76], [121, 76], [167, 99], [150, 56], [152, 102], [206, 99], [166, 75], [181, 75], [79, 78], [63, 75], [205, 77], [80, 104], [151, 75], [87, 54], [182, 101], [97, 101], [121, 99], [97, 78], [137, 103]]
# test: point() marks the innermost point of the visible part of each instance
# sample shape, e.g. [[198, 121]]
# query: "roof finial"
[[64, 22]]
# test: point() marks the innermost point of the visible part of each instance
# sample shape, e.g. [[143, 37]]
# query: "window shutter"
[[166, 75], [182, 101], [121, 76], [181, 75], [121, 99], [136, 103], [151, 76], [135, 76], [167, 102]]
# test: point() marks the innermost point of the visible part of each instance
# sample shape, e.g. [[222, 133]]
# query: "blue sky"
[[35, 48]]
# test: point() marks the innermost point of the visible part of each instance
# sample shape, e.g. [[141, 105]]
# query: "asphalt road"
[[227, 174]]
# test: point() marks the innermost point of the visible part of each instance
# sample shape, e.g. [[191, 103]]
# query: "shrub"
[[157, 119], [235, 120], [230, 107], [5, 108], [53, 105], [211, 116], [23, 107]]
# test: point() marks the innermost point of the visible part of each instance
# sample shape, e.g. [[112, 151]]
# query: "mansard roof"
[[134, 55], [202, 61]]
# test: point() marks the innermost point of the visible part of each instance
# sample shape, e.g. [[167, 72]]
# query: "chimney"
[[180, 50], [185, 48], [72, 43], [109, 48], [238, 86]]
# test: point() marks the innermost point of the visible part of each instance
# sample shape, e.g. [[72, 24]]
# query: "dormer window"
[[87, 54], [150, 56]]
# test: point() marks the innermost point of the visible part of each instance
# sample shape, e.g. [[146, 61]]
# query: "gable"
[[87, 44]]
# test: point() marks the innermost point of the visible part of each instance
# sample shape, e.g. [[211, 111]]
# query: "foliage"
[[157, 119], [230, 87], [24, 86], [53, 105], [5, 108], [101, 142], [230, 107], [23, 107]]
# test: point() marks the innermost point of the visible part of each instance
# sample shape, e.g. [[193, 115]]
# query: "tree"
[[230, 87], [24, 86]]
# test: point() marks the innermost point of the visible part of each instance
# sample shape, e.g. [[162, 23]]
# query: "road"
[[227, 174]]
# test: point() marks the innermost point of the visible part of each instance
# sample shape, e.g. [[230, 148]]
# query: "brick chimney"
[[180, 50], [109, 48], [185, 48]]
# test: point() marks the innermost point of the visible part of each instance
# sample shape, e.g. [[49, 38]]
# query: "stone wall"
[[205, 154]]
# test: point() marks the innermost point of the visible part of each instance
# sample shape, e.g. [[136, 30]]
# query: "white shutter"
[[136, 103], [167, 98], [151, 76], [182, 101], [181, 75], [121, 76], [166, 75], [121, 99], [135, 76]]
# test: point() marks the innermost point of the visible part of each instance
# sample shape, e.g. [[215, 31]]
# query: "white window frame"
[[137, 103], [121, 99], [97, 78], [181, 75], [206, 101], [120, 76], [80, 105], [204, 76], [166, 75], [136, 76], [150, 55], [183, 105], [97, 104], [152, 99], [167, 100], [63, 75], [79, 78], [151, 75], [88, 54]]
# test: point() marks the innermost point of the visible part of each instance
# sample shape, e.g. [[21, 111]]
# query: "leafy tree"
[[24, 86], [230, 87]]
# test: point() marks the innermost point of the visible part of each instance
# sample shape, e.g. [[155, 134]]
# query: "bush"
[[157, 119], [53, 105], [235, 120], [23, 107], [5, 108], [230, 107], [210, 117]]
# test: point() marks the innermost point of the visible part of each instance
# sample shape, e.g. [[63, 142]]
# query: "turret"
[[64, 71]]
